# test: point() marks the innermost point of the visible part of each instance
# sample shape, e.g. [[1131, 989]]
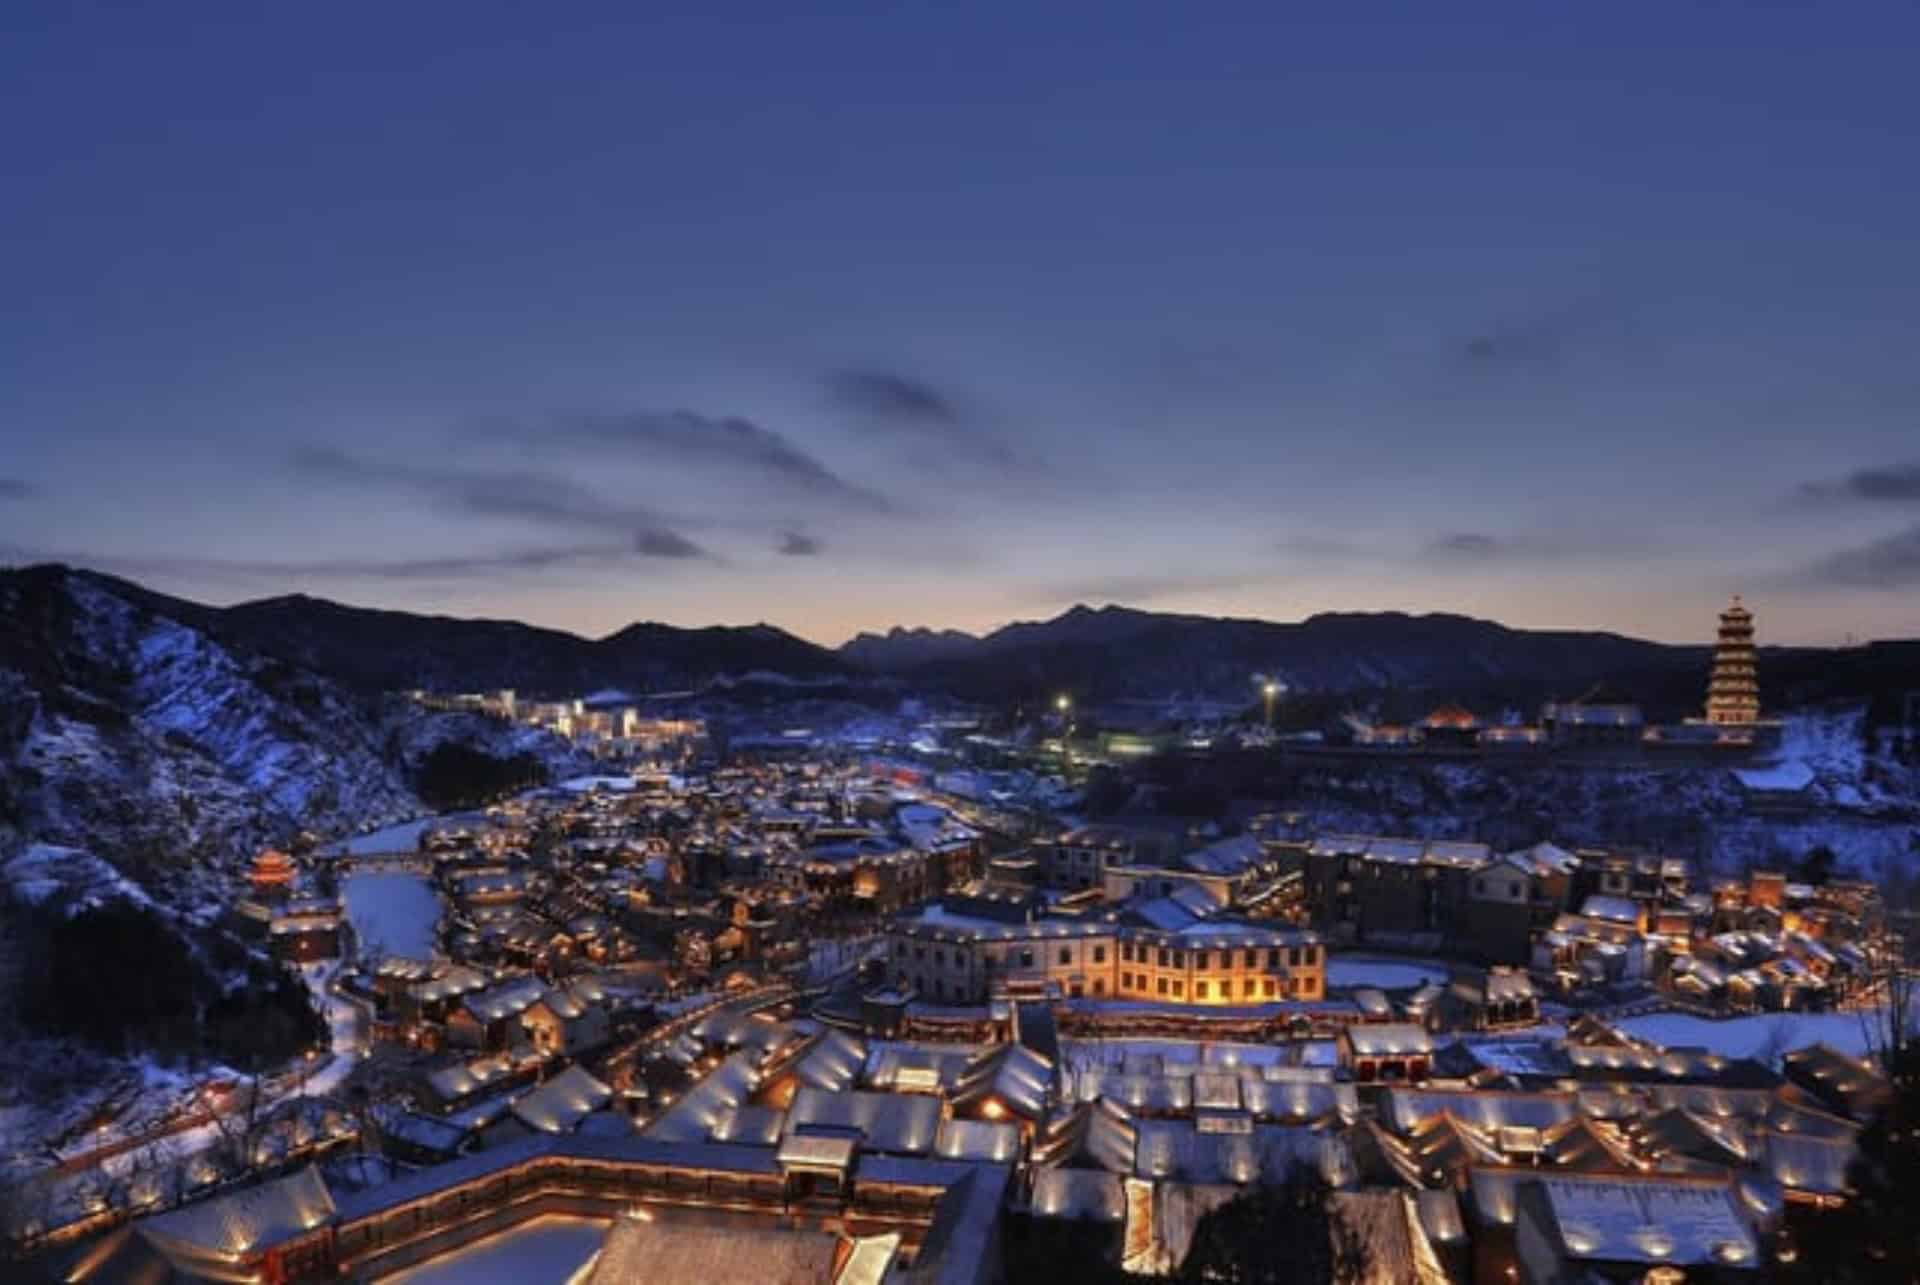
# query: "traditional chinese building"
[[1733, 687], [271, 875]]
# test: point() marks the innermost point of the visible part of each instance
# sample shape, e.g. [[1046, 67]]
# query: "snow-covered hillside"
[[72, 877], [144, 740], [1866, 808]]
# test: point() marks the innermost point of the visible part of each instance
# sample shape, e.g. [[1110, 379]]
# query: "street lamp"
[[1064, 704], [1270, 691]]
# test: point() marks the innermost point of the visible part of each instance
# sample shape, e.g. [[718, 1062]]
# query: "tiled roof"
[[240, 1222], [559, 1105]]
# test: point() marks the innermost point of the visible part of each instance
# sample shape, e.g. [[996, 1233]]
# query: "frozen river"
[[395, 910], [1385, 972], [403, 837]]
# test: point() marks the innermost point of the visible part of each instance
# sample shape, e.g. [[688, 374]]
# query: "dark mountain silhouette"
[[1097, 653], [384, 650], [899, 650], [1120, 652]]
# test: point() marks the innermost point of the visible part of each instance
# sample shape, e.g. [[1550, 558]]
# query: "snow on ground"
[[1751, 1036], [326, 1076], [1790, 775], [1830, 745], [545, 1251], [1868, 846], [1829, 750], [826, 959], [404, 837], [1386, 973], [346, 1026], [1320, 1053], [48, 870], [588, 784], [392, 909], [1526, 1052], [1210, 1053]]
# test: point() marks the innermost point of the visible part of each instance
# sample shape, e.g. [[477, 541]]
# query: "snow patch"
[[48, 871], [1387, 974], [588, 784], [1752, 1036], [388, 840], [395, 911]]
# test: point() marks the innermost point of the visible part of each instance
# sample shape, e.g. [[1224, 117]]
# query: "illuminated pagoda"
[[272, 872], [1733, 689]]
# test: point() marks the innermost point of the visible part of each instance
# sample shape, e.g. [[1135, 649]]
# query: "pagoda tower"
[[1733, 689]]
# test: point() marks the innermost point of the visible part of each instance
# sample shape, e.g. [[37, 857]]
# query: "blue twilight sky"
[[949, 314]]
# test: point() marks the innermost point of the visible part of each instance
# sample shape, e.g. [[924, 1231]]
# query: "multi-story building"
[[1233, 872], [1598, 718], [987, 939], [873, 870], [1733, 688], [1498, 915], [1399, 891], [1079, 858]]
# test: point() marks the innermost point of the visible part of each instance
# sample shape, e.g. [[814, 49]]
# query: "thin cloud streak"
[[1554, 338], [1133, 589], [1310, 546], [1888, 564], [732, 442], [889, 403], [1897, 484], [460, 567], [1467, 548], [1472, 545], [889, 395], [540, 499]]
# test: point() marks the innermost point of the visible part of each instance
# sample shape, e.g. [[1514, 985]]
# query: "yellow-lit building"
[[961, 958]]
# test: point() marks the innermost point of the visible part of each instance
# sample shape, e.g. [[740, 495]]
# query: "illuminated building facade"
[[1733, 688], [962, 959]]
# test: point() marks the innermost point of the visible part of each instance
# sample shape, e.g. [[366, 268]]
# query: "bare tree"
[[1285, 1232], [1890, 1024], [242, 1125], [362, 1111], [370, 953], [302, 1072], [172, 1181], [144, 1183], [29, 1208], [1777, 1043]]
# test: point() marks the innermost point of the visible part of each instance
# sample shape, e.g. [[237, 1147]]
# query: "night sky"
[[1569, 315]]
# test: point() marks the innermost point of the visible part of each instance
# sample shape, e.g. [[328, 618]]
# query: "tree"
[[27, 1211], [454, 775], [241, 1123], [115, 976], [1817, 867], [1893, 992], [1276, 1234], [1875, 1236], [366, 1119], [1107, 791], [1037, 1249], [1777, 1043]]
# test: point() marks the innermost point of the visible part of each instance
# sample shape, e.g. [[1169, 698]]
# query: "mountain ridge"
[[1111, 650], [129, 729]]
